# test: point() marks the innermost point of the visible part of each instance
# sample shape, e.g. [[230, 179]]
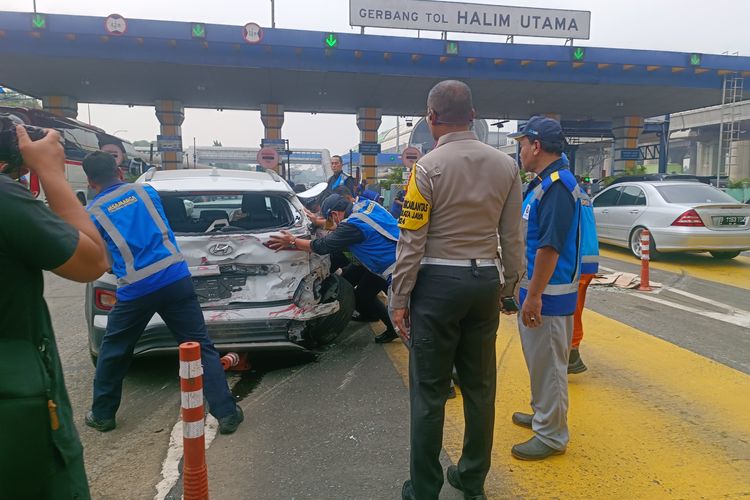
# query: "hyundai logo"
[[221, 249]]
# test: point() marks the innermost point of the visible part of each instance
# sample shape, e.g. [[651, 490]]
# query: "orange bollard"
[[235, 362], [194, 471], [645, 245], [230, 360]]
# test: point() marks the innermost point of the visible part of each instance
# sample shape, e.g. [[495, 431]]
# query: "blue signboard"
[[168, 143], [630, 154], [369, 148]]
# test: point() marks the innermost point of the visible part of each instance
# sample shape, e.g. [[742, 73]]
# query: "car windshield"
[[693, 193], [207, 212]]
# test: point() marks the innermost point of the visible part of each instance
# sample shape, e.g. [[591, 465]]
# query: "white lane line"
[[733, 318], [350, 374], [170, 472], [715, 303]]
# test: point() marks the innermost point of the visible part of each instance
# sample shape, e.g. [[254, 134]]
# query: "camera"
[[9, 152]]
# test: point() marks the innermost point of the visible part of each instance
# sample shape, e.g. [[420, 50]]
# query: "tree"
[[217, 143], [142, 143]]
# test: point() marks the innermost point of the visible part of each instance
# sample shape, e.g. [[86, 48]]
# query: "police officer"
[[446, 288], [152, 277], [370, 233], [552, 215]]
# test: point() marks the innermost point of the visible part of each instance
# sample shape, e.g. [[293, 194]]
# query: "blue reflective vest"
[[589, 240], [560, 295], [340, 181], [378, 250], [143, 250]]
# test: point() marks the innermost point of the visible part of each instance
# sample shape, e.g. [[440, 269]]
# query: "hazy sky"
[[681, 25]]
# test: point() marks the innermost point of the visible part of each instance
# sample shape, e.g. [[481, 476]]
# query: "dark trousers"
[[178, 306], [366, 298], [454, 320]]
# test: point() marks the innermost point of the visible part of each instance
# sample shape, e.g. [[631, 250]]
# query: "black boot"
[[575, 363]]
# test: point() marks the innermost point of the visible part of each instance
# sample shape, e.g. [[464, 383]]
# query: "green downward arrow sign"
[[695, 60], [331, 41], [578, 54], [38, 21], [199, 31]]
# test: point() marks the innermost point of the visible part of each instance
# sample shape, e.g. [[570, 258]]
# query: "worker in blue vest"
[[552, 215], [589, 268], [370, 233], [152, 277], [339, 178]]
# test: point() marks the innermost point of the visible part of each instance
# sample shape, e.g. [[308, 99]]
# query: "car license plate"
[[732, 220]]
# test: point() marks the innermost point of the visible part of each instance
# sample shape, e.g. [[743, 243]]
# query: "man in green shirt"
[[41, 456]]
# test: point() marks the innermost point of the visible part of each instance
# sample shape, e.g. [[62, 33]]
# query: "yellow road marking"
[[649, 419], [735, 272]]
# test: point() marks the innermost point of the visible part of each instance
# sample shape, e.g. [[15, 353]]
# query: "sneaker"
[[575, 363], [103, 425], [454, 479], [386, 336], [229, 424]]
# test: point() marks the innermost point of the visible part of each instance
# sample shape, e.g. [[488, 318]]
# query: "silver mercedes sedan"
[[681, 217]]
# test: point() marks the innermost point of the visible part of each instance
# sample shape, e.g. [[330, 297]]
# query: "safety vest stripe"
[[590, 259], [562, 289], [131, 274], [156, 216], [116, 236], [377, 227]]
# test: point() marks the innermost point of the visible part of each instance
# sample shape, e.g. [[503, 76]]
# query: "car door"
[[623, 216], [603, 204]]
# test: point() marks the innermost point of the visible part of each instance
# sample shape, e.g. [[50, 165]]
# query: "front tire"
[[724, 255], [635, 244], [325, 330]]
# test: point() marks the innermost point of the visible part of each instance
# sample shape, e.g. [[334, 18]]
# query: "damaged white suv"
[[252, 297]]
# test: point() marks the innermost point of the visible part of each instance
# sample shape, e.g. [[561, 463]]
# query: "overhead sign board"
[[268, 158], [470, 18], [369, 148], [168, 143], [410, 156], [630, 154]]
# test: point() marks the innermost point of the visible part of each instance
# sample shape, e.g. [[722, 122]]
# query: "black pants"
[[454, 320], [366, 297]]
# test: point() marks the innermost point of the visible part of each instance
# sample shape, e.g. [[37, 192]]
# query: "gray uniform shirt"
[[462, 197]]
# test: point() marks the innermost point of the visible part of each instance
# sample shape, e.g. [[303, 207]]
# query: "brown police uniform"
[[463, 198]]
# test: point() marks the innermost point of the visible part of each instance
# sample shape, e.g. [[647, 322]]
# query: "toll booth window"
[[226, 212]]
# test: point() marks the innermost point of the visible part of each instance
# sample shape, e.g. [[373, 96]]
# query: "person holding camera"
[[40, 452]]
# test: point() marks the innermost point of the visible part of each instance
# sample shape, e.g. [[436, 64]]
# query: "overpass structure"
[[64, 60]]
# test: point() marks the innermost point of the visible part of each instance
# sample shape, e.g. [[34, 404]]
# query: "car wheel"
[[325, 330], [635, 244], [724, 255]]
